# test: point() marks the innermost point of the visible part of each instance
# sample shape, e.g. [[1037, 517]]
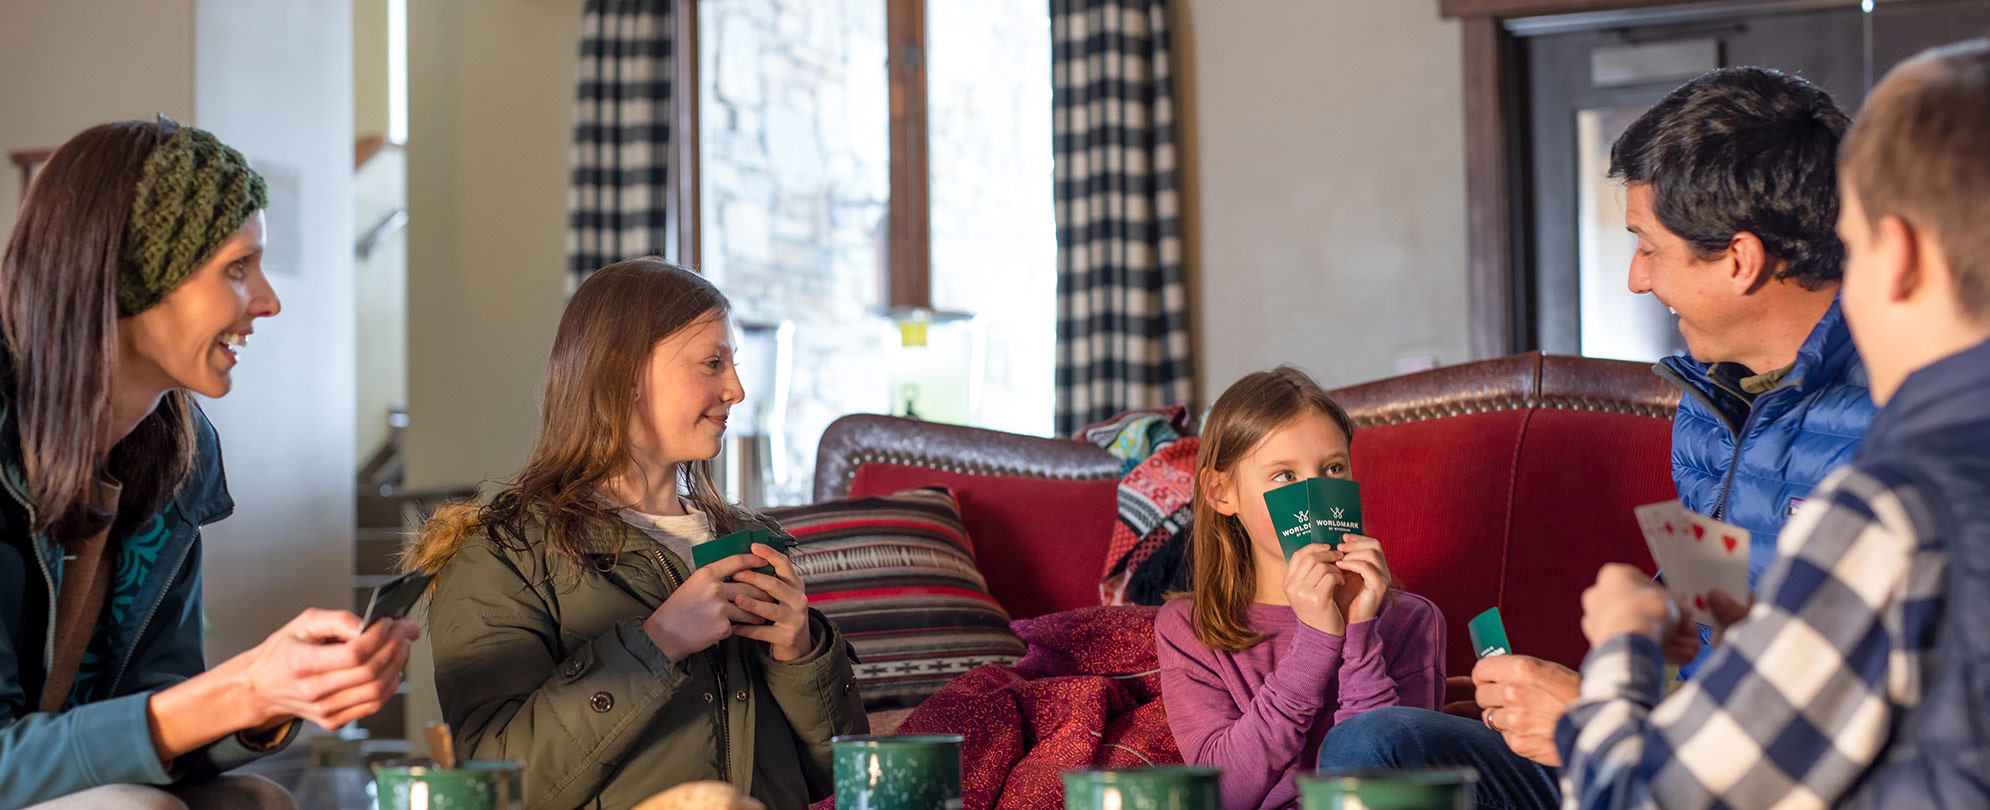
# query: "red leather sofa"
[[1498, 483]]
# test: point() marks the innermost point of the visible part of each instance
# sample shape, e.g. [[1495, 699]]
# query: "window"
[[994, 227], [882, 256]]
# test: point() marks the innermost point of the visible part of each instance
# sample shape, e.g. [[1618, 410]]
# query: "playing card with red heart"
[[1695, 554]]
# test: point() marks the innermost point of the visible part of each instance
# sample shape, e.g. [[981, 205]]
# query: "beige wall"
[[490, 101], [369, 67], [1330, 186], [273, 78], [66, 66]]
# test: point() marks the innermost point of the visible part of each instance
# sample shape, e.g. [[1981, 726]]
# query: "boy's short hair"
[[1921, 151], [1744, 149]]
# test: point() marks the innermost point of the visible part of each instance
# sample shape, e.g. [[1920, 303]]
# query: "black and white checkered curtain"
[[615, 203], [1122, 301]]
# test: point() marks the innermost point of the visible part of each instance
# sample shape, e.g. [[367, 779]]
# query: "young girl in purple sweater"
[[1266, 654]]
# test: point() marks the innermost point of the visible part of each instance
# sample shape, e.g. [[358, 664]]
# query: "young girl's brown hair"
[[612, 322], [1223, 574]]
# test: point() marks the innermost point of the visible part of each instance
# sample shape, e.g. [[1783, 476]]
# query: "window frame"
[[907, 278]]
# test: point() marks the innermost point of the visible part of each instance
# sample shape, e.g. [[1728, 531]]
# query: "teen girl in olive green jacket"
[[571, 633]]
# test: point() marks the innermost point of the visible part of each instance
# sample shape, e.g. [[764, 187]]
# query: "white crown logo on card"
[[1338, 512], [1302, 515]]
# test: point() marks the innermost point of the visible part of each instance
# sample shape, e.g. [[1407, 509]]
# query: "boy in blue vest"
[[1732, 193], [1830, 692]]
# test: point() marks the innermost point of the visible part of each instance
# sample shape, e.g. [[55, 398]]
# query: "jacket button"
[[601, 702], [739, 695], [849, 685], [574, 667], [708, 697]]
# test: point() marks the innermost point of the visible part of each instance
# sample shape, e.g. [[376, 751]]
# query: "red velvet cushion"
[[1580, 474], [1040, 542], [1436, 493]]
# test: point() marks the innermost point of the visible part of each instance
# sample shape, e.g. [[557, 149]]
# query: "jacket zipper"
[[124, 661], [717, 662], [1666, 373], [1740, 431], [48, 575], [41, 558], [1733, 464]]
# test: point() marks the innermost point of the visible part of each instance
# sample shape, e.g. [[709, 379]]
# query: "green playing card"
[[1488, 634], [1291, 508], [1316, 510], [739, 542], [1336, 509]]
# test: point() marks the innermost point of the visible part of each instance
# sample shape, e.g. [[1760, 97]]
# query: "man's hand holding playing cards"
[[1522, 697]]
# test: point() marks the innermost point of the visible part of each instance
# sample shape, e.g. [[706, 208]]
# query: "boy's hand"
[[1624, 600]]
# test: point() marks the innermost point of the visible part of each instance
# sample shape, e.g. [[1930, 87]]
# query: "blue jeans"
[[1401, 737]]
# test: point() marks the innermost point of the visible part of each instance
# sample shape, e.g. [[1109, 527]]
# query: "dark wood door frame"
[[1492, 194], [681, 173], [908, 273], [907, 278]]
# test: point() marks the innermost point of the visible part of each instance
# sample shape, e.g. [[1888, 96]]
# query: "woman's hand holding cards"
[[1311, 578], [703, 611], [323, 668], [1362, 556], [787, 627]]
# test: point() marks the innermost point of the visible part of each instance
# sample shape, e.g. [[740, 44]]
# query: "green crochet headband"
[[194, 193]]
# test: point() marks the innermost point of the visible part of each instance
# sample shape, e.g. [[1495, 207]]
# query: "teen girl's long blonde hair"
[[604, 338]]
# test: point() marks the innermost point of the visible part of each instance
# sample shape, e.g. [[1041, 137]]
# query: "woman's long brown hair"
[[1224, 575], [58, 307], [612, 322]]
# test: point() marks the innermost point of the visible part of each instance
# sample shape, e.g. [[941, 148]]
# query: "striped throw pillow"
[[896, 573]]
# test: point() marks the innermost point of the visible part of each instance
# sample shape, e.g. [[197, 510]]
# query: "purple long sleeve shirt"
[[1259, 714]]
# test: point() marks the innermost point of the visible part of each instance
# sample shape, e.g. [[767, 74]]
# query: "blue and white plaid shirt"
[[1800, 701]]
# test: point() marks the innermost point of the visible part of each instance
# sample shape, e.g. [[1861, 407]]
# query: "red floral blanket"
[[1088, 694]]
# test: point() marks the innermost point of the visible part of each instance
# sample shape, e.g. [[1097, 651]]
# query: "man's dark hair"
[[1744, 149]]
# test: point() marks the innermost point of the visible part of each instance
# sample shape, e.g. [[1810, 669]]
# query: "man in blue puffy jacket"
[[1742, 248], [1732, 189]]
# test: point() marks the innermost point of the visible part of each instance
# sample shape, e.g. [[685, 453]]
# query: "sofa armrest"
[[1460, 698], [859, 439]]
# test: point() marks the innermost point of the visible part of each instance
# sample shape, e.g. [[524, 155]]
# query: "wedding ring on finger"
[[1487, 715]]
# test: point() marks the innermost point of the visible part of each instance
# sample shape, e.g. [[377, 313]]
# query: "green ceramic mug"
[[1412, 789], [416, 784], [897, 773], [1168, 787]]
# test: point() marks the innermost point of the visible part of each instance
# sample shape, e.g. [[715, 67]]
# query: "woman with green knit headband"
[[133, 274]]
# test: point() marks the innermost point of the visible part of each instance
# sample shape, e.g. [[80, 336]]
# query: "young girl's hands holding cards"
[[1331, 588], [1311, 581], [1362, 557], [787, 631]]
